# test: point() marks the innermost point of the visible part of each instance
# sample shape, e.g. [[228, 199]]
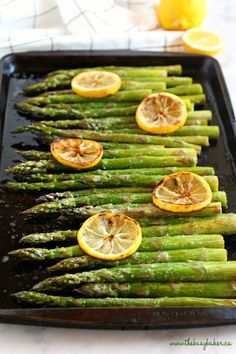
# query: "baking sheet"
[[18, 71]]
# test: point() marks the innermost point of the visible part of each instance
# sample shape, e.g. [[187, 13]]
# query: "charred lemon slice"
[[77, 153], [161, 113], [96, 84], [182, 192], [109, 236]]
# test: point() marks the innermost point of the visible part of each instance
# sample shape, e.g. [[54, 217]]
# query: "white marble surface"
[[18, 339]]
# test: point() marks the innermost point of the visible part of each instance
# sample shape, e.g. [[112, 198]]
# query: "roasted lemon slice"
[[161, 113], [77, 153], [200, 41], [182, 192], [96, 84], [110, 236]]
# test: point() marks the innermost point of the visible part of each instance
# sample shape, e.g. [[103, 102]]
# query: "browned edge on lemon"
[[110, 236], [161, 113], [77, 153], [182, 192]]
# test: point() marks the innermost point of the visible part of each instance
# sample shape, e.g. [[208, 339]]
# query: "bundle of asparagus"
[[182, 260]]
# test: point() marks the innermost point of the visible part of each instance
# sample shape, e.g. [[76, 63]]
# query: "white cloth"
[[82, 24]]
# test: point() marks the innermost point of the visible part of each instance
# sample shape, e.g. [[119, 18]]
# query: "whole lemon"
[[181, 14]]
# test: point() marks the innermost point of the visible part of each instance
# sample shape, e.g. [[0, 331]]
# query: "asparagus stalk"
[[195, 99], [120, 96], [194, 89], [170, 69], [170, 81], [34, 298], [103, 198], [195, 122], [97, 199], [196, 254], [185, 141], [224, 224], [109, 164], [45, 237], [199, 115], [200, 170], [157, 86], [149, 244], [145, 151], [162, 272], [72, 113], [103, 181], [139, 211], [218, 289], [148, 233], [211, 131], [106, 123]]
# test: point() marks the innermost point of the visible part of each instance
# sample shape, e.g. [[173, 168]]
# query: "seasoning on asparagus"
[[34, 298], [161, 272], [149, 244], [183, 255]]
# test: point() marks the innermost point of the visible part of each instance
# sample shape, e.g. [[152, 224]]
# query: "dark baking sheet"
[[17, 71]]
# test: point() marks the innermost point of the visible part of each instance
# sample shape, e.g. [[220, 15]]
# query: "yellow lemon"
[[161, 113], [200, 41], [77, 153], [182, 192], [181, 14], [110, 236], [96, 84]]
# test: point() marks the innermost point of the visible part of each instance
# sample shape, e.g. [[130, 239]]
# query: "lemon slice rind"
[[182, 192], [109, 236]]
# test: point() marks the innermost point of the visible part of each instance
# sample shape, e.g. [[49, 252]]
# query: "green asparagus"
[[148, 244], [160, 272], [220, 289], [104, 198], [185, 141], [145, 151], [35, 298], [94, 181], [195, 254], [108, 164], [224, 224]]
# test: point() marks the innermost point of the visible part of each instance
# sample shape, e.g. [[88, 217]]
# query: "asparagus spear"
[[34, 298], [103, 198], [97, 199], [145, 151], [61, 78], [199, 115], [141, 211], [159, 171], [224, 224], [162, 272], [106, 123], [196, 254], [56, 236], [157, 86], [195, 122], [211, 131], [170, 69], [149, 244], [72, 113], [109, 164], [98, 181], [147, 231], [185, 141], [170, 81], [218, 289]]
